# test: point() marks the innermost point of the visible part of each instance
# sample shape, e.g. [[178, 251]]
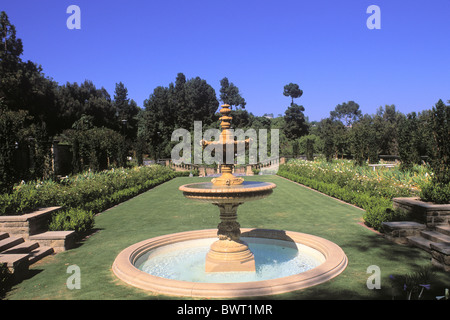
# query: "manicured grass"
[[164, 210]]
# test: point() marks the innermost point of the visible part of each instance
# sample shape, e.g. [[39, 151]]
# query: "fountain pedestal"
[[229, 253]]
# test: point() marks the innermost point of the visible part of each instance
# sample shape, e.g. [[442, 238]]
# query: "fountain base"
[[125, 267], [229, 256]]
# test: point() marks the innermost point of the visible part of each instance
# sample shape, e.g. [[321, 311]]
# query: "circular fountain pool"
[[174, 264], [186, 261]]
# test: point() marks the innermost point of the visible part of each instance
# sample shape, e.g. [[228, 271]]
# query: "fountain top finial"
[[226, 118], [226, 139]]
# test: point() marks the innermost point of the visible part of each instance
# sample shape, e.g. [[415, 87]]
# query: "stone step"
[[10, 242], [440, 255], [58, 240], [444, 229], [398, 231], [420, 242], [435, 236], [17, 264], [24, 247], [39, 253]]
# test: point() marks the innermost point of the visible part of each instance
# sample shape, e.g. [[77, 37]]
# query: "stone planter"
[[429, 213], [27, 224]]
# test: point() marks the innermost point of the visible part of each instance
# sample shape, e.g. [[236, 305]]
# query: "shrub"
[[435, 192], [21, 200], [256, 171], [78, 220]]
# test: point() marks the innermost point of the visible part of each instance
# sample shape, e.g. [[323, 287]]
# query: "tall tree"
[[363, 140], [347, 113], [295, 124], [86, 99], [121, 100], [292, 90], [24, 87], [408, 141], [177, 106], [157, 127], [386, 121], [14, 129], [201, 100], [440, 128], [126, 112], [326, 131], [179, 102], [11, 48], [335, 137], [229, 94]]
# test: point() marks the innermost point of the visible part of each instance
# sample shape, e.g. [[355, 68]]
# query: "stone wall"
[[440, 256], [424, 212]]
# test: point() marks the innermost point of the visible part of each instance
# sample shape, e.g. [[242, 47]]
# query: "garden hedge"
[[83, 195], [375, 200]]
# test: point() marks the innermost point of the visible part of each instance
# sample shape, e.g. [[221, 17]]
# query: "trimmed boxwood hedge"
[[378, 208]]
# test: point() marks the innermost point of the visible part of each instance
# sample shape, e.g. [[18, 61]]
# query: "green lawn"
[[164, 210]]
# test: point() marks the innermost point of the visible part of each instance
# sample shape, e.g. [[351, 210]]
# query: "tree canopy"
[[292, 90], [347, 112], [229, 94], [177, 106], [295, 122]]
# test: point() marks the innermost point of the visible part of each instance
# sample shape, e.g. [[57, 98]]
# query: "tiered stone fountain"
[[229, 254]]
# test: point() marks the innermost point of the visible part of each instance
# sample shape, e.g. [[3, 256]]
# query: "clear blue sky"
[[323, 45]]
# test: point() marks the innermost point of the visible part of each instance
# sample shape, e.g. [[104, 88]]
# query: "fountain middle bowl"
[[208, 192]]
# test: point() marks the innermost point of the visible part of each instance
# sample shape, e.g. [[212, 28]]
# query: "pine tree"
[[229, 94]]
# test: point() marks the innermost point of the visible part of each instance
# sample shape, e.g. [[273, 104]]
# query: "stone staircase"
[[429, 231], [19, 254], [17, 245], [24, 240], [426, 238], [435, 240]]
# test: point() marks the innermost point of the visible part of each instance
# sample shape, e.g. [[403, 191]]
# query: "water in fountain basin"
[[185, 261]]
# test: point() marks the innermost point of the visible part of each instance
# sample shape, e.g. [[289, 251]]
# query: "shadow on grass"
[[82, 238], [378, 246], [8, 286]]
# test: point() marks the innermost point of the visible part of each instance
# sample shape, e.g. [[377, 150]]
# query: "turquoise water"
[[185, 261]]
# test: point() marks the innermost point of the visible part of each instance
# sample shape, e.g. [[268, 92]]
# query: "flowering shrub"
[[79, 190], [364, 187]]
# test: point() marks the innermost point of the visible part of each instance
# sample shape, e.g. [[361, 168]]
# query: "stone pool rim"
[[335, 263]]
